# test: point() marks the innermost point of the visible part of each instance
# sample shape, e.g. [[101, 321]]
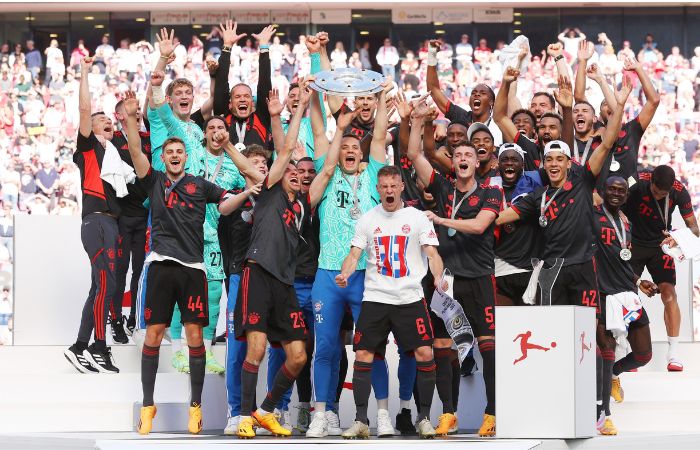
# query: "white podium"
[[545, 372]]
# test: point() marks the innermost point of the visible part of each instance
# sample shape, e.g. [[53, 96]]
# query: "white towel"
[[531, 292], [620, 310], [509, 54], [115, 171]]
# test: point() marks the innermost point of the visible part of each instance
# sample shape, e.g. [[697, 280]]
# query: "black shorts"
[[576, 285], [643, 319], [478, 298], [409, 323], [348, 322], [513, 286], [169, 283], [661, 266], [267, 305], [439, 329]]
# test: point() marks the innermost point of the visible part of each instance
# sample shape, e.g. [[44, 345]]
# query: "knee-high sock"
[[444, 378], [599, 381], [632, 361], [456, 378], [149, 369], [361, 387], [283, 382], [487, 348], [425, 380], [213, 297], [249, 382], [608, 361], [304, 381], [197, 363]]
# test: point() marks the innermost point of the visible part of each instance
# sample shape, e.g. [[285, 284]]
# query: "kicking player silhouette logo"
[[584, 347], [525, 345]]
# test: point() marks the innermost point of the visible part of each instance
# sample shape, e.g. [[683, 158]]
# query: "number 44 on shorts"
[[193, 304]]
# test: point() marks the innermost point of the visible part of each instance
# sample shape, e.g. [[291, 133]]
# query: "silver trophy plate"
[[348, 82]]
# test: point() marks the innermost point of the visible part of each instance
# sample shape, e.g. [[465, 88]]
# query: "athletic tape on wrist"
[[432, 56], [158, 95]]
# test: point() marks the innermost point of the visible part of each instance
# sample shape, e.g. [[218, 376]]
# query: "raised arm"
[[649, 108], [565, 98], [594, 74], [140, 160], [242, 163], [222, 96], [236, 201], [377, 148], [556, 51], [424, 170], [264, 73], [432, 80], [612, 130], [275, 108], [500, 107], [404, 109], [208, 106], [585, 52], [318, 127], [334, 102], [84, 100], [284, 156]]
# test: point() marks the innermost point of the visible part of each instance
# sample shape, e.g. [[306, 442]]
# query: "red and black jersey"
[[98, 195], [646, 214], [234, 236], [568, 234], [132, 204], [466, 255], [177, 214], [519, 241], [626, 149], [615, 275], [278, 225], [532, 152], [604, 170], [455, 113], [486, 178]]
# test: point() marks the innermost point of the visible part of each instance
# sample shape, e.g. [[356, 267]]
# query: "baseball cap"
[[511, 146], [478, 126], [557, 146]]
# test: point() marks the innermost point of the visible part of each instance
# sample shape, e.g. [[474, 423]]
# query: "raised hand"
[[229, 33], [421, 109], [165, 42], [157, 78], [131, 105], [313, 44], [437, 220], [510, 74], [212, 65], [305, 92], [524, 51], [265, 35], [346, 117], [564, 95], [435, 43], [631, 63], [86, 64], [585, 50], [554, 50], [254, 190], [593, 72], [403, 107], [323, 38], [221, 137], [274, 105], [624, 92]]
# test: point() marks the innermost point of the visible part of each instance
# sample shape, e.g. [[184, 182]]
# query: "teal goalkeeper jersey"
[[337, 224]]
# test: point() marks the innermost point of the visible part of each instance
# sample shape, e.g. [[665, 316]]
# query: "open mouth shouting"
[[554, 173], [242, 110], [294, 182], [350, 160], [366, 114], [481, 153], [580, 124]]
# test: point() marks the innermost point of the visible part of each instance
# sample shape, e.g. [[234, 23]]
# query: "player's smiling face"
[[260, 163], [510, 164], [584, 116], [390, 188], [350, 155], [174, 156], [456, 133], [480, 100], [615, 193], [464, 162], [213, 126], [181, 100], [292, 100], [539, 105], [524, 124], [367, 104], [307, 173], [556, 164], [102, 126], [290, 180], [548, 129], [241, 101], [483, 142]]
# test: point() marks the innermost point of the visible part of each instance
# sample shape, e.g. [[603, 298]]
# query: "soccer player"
[[348, 193], [650, 208], [616, 278], [268, 308], [481, 138], [399, 243], [99, 234], [465, 217], [176, 274]]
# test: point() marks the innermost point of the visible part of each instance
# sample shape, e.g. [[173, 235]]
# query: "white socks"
[[673, 346], [383, 404], [405, 404], [320, 407]]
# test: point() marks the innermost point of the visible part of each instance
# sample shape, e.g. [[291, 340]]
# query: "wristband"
[[158, 95], [264, 46], [639, 281], [164, 58], [226, 48], [432, 56], [558, 57]]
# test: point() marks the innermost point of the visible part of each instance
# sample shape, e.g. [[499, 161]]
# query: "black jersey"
[[458, 114], [532, 152], [98, 195], [411, 195], [579, 151], [567, 234], [177, 214], [485, 179], [646, 214], [234, 236], [132, 204], [518, 242], [615, 275], [309, 248], [466, 255], [277, 225], [626, 149]]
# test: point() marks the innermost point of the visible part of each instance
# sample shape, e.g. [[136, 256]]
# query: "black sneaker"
[[404, 423], [220, 339], [468, 367], [76, 358], [130, 325], [101, 360], [118, 334]]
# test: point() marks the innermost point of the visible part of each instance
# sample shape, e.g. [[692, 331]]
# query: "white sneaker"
[[358, 430], [333, 423], [286, 420], [232, 426], [425, 429], [318, 427], [384, 426]]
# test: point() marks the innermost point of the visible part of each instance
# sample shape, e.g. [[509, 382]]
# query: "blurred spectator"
[[339, 59], [649, 54], [5, 317], [78, 54], [104, 53], [387, 58], [195, 53], [364, 56], [570, 38], [463, 52], [54, 59], [482, 54], [213, 42], [625, 52], [33, 59]]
